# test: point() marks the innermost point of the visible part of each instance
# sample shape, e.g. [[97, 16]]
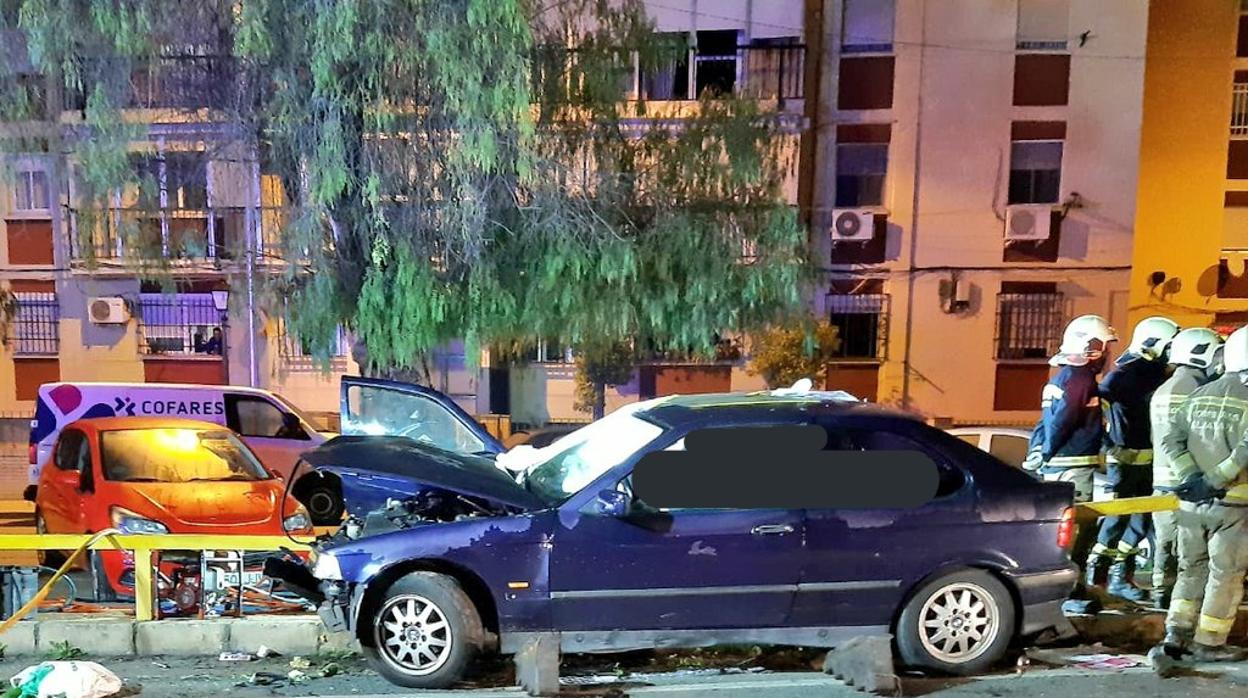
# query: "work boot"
[[1221, 653], [1094, 573], [1120, 583], [1176, 642]]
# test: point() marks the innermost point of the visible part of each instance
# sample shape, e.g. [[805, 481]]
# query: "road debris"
[[235, 657], [296, 676], [330, 669], [264, 652], [68, 679], [300, 663]]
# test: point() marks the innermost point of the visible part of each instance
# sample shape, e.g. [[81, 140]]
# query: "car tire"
[[102, 589], [939, 625], [52, 559], [404, 630], [322, 497]]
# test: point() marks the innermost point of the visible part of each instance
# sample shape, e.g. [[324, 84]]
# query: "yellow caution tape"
[[1129, 505]]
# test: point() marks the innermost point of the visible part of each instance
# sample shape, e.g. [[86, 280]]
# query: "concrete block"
[[20, 640], [866, 663], [181, 637], [537, 665], [288, 635], [98, 637]]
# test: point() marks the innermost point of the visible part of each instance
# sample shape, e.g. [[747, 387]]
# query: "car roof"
[[158, 386], [744, 408], [120, 423]]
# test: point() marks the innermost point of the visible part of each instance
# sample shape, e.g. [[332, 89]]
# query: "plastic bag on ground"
[[70, 679]]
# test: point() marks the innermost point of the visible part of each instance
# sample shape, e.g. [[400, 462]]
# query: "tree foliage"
[[783, 355], [458, 169]]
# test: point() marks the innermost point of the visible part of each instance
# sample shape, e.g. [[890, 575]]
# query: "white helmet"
[[1236, 353], [1085, 340], [1152, 336], [1197, 347]]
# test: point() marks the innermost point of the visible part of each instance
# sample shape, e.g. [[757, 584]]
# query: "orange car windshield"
[[177, 455]]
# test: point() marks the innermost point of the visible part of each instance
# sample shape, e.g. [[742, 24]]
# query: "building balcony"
[[208, 239]]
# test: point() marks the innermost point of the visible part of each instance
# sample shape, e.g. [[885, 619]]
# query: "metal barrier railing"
[[143, 546]]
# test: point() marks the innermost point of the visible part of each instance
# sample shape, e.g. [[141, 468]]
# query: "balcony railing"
[[757, 72], [176, 82], [1239, 110], [143, 235]]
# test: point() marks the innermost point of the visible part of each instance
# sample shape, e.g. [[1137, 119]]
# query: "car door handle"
[[771, 529]]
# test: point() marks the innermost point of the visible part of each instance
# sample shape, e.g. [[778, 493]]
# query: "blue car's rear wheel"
[[424, 633], [960, 623]]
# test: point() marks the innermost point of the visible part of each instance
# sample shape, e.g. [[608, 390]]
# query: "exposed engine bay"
[[431, 505]]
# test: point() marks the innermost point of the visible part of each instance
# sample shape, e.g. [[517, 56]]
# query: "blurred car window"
[[1008, 448], [256, 417], [70, 450], [176, 455], [972, 439]]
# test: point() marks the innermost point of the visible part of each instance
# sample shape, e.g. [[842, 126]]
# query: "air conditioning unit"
[[108, 310], [1028, 222], [853, 225]]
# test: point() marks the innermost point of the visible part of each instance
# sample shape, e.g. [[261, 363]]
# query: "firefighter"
[[1125, 393], [1195, 354], [1067, 440], [1207, 446]]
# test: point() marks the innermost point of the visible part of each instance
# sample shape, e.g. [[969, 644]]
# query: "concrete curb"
[[121, 637]]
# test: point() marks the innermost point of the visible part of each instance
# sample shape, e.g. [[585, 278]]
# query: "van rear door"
[[393, 408]]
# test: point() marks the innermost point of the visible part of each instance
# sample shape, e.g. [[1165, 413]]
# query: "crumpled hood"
[[209, 503], [400, 456]]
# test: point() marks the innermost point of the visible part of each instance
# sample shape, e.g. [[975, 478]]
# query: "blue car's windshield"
[[588, 453]]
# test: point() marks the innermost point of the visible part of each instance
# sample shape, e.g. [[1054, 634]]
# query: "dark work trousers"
[[1123, 533]]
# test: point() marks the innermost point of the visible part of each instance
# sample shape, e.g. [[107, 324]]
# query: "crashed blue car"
[[478, 561]]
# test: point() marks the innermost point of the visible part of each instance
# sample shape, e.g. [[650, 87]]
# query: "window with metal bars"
[[1029, 321], [36, 326], [861, 321], [183, 323], [291, 347]]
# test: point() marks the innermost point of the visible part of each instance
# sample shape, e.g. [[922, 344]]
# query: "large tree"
[[461, 168]]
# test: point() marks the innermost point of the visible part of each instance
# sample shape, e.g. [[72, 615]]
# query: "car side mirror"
[[612, 503]]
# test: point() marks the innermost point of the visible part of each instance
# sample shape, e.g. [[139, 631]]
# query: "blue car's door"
[[698, 569], [859, 563], [393, 408]]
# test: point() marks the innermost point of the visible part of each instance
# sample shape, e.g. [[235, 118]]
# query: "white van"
[[267, 422]]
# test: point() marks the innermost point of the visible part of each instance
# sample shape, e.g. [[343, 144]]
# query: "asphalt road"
[[203, 677]]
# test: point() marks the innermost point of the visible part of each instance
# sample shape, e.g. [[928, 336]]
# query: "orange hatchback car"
[[158, 475]]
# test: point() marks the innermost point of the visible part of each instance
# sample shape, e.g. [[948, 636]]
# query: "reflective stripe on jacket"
[[1070, 432], [1165, 403], [1210, 434]]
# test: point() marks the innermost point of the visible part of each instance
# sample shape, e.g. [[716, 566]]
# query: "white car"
[[1009, 444]]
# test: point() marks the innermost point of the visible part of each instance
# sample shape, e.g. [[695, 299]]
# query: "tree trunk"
[[600, 400]]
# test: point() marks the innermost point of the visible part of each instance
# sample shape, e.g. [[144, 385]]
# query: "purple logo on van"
[[123, 405]]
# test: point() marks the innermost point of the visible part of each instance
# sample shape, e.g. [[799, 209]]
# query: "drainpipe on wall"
[[914, 221]]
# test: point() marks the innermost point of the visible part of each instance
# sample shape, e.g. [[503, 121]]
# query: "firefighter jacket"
[[1163, 407], [1209, 435], [1070, 431], [1125, 392]]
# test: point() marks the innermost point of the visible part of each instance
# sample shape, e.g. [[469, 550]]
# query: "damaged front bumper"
[[336, 601]]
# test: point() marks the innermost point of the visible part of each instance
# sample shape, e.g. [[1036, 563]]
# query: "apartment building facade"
[[974, 189], [927, 130], [1191, 251]]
